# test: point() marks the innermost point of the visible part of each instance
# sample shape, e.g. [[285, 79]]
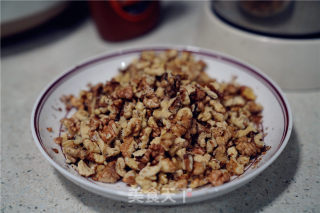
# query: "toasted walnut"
[[110, 152], [159, 92], [254, 107], [152, 102], [202, 158], [84, 129], [214, 164], [167, 166], [108, 174], [217, 106], [234, 167], [238, 121], [84, 169], [223, 139], [258, 140], [155, 71], [149, 171], [202, 139], [133, 127], [171, 54], [182, 183], [130, 178], [68, 143], [177, 145], [145, 183], [181, 153], [145, 134], [142, 64], [132, 163], [211, 144], [109, 132], [198, 150], [232, 151], [128, 146], [125, 93], [139, 153], [188, 163], [147, 55], [127, 110], [161, 123], [206, 114], [236, 101], [74, 152], [250, 128], [163, 178], [244, 160], [247, 93], [185, 99], [197, 182], [199, 168], [154, 126], [218, 177], [210, 93], [163, 112], [97, 158], [167, 140], [120, 165], [91, 146], [184, 117], [220, 154], [81, 114], [248, 149]]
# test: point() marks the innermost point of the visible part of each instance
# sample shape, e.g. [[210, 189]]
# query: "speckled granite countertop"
[[30, 184]]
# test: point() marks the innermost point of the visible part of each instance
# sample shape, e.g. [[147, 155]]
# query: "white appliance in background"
[[293, 61]]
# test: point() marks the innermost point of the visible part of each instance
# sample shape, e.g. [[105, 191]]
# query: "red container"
[[122, 20]]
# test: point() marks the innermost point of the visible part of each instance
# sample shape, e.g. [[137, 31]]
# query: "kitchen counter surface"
[[29, 184]]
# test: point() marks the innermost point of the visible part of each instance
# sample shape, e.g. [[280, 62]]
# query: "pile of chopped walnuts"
[[163, 123]]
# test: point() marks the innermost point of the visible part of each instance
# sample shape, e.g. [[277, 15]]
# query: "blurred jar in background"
[[122, 20]]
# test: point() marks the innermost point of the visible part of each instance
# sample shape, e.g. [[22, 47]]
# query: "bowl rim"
[[259, 75]]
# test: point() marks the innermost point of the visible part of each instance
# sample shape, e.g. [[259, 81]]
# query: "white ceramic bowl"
[[277, 119]]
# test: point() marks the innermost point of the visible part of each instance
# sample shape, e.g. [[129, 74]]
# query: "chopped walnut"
[[128, 146], [91, 146], [218, 177], [120, 165], [133, 127], [130, 178], [197, 182], [248, 93], [149, 171], [132, 163], [248, 149], [84, 169], [163, 123], [152, 102], [167, 166], [108, 174], [235, 101], [126, 93], [198, 168], [244, 160], [258, 140], [232, 151], [234, 167], [246, 131]]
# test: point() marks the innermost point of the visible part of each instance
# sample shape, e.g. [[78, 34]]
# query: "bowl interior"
[[49, 109]]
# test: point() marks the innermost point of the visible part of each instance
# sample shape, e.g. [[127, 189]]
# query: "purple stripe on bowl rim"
[[215, 56]]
